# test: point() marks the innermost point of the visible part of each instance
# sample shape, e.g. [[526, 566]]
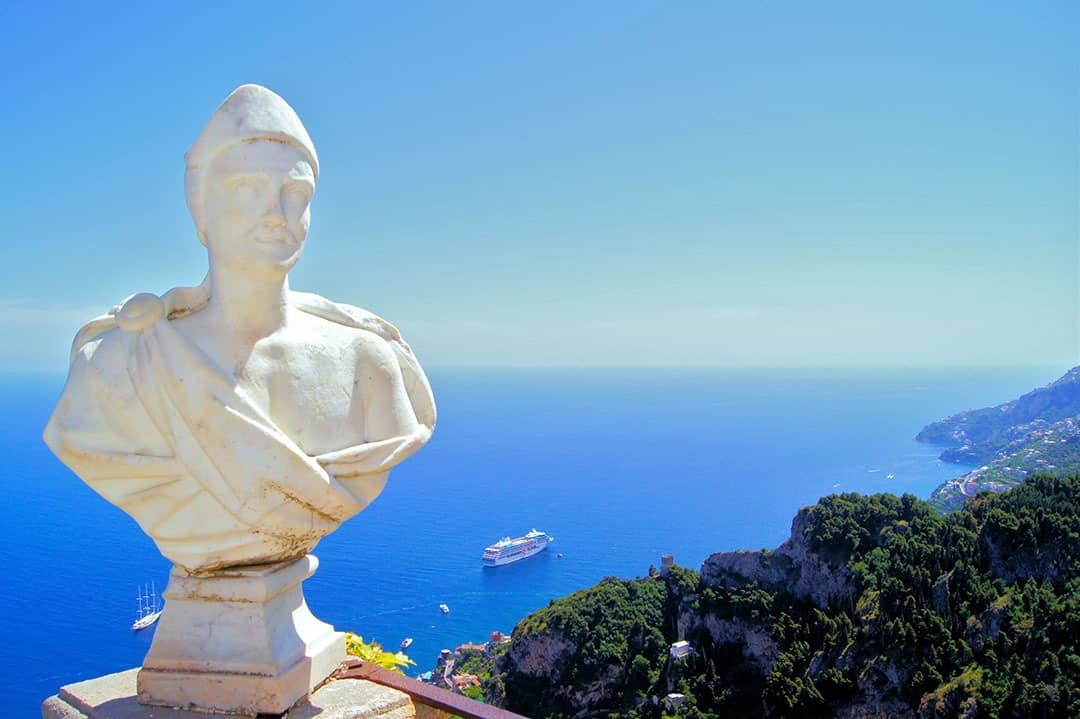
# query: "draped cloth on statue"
[[155, 427]]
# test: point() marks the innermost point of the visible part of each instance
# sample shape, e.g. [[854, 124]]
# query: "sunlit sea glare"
[[620, 466]]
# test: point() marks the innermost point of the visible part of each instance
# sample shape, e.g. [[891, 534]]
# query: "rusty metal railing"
[[426, 695]]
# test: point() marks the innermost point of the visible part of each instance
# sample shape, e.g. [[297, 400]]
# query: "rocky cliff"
[[793, 567]]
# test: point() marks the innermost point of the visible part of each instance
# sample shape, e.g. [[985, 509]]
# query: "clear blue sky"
[[603, 183]]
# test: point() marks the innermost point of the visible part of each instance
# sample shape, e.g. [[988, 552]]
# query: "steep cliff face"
[[593, 651], [793, 567], [539, 655], [1038, 541], [755, 642], [539, 667]]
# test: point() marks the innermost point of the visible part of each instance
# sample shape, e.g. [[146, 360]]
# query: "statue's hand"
[[139, 312]]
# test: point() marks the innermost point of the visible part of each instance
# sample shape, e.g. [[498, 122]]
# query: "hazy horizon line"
[[682, 368]]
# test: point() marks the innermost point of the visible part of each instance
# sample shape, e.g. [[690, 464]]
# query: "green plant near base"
[[373, 652]]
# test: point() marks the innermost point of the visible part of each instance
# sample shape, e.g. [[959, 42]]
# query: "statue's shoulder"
[[100, 345], [400, 353], [99, 367], [345, 315], [109, 335]]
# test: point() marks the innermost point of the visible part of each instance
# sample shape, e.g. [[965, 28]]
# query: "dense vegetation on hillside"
[[974, 614]]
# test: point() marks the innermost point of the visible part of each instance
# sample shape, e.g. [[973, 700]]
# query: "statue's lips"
[[277, 239]]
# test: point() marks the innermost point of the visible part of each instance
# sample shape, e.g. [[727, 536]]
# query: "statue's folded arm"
[[373, 457]]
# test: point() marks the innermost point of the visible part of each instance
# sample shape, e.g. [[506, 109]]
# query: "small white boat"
[[444, 609], [149, 608], [405, 643]]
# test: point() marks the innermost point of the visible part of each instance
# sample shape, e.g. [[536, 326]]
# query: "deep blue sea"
[[620, 466]]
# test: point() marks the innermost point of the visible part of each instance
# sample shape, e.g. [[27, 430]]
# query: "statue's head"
[[250, 178]]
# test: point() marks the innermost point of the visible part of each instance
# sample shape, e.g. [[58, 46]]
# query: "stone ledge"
[[431, 702], [114, 697]]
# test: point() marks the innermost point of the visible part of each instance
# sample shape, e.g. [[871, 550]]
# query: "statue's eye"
[[245, 186]]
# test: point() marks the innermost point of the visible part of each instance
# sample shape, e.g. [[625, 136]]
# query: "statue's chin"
[[272, 265], [275, 259]]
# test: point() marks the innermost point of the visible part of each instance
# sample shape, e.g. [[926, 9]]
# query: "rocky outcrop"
[[982, 631], [758, 645], [731, 569], [954, 698], [939, 593], [1045, 561], [792, 567], [952, 703], [539, 654], [537, 661]]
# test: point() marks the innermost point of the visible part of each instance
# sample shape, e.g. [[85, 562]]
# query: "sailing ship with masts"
[[149, 607]]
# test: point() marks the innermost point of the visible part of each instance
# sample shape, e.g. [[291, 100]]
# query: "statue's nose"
[[274, 217], [275, 213]]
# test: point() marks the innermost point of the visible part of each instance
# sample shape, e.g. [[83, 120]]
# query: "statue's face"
[[256, 208]]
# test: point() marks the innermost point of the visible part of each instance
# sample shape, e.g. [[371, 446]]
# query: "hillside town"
[[464, 669], [1037, 432], [1040, 447]]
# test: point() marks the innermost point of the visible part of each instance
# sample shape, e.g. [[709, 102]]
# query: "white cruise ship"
[[508, 550]]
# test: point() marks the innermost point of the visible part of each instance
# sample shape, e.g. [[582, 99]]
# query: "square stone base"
[[240, 640], [114, 696]]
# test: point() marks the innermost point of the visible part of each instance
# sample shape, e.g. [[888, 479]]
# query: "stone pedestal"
[[239, 640], [113, 697]]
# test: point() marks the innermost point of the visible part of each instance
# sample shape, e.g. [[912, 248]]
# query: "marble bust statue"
[[240, 421]]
